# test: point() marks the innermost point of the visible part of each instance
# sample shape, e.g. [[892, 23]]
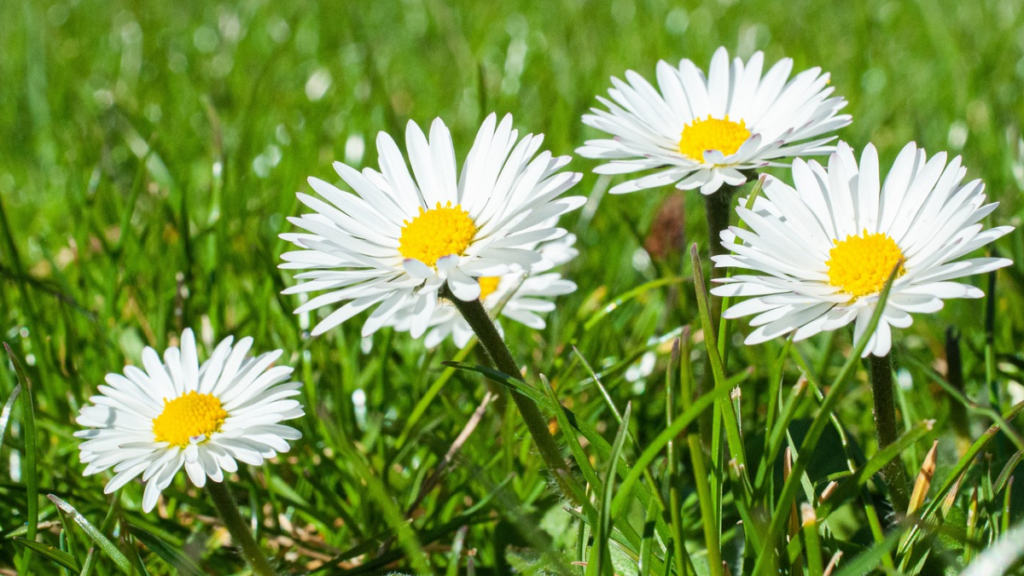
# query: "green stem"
[[717, 209], [492, 342], [893, 474], [955, 375], [227, 508]]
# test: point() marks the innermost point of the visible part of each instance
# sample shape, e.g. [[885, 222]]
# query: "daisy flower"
[[400, 237], [527, 296], [174, 413], [703, 132], [824, 249]]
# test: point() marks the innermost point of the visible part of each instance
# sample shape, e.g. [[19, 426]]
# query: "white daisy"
[[397, 240], [826, 247], [179, 413], [530, 296], [703, 132]]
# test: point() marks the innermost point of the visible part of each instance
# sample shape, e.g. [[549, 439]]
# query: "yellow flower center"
[[725, 136], [488, 284], [436, 233], [861, 264], [187, 417]]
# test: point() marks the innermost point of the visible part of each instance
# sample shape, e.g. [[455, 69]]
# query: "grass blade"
[[812, 544], [924, 480], [732, 431], [626, 297], [568, 432], [5, 414], [94, 534], [517, 386], [29, 470], [647, 541], [431, 393], [169, 553], [662, 440], [868, 560], [600, 555], [673, 375], [59, 556]]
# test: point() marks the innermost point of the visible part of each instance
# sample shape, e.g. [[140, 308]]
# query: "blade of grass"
[[732, 432], [56, 555], [138, 566], [568, 432], [626, 297], [672, 381], [775, 377], [456, 553], [1004, 476], [393, 516], [94, 534], [29, 470], [5, 414], [752, 527], [655, 446], [812, 544], [648, 540], [171, 554], [777, 435], [1007, 501], [986, 411], [924, 480], [724, 412], [600, 555], [618, 417], [869, 560], [431, 393], [700, 473], [108, 523]]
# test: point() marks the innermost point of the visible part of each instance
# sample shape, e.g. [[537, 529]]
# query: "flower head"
[[178, 412], [525, 297], [825, 249], [401, 236], [702, 132]]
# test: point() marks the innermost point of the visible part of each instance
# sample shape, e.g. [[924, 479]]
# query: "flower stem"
[[227, 508], [893, 474], [492, 342], [717, 209]]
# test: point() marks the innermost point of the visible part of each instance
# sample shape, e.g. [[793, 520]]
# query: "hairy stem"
[[536, 423], [893, 474], [717, 209], [227, 508]]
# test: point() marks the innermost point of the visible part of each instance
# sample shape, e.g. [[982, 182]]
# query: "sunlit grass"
[[149, 156]]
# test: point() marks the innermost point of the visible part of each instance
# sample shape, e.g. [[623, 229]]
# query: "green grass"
[[149, 155]]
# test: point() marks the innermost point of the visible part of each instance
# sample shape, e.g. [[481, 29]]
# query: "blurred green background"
[[150, 151]]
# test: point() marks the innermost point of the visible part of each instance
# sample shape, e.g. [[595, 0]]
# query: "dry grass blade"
[[924, 480], [833, 563]]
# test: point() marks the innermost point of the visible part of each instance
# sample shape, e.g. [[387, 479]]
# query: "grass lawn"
[[149, 158]]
